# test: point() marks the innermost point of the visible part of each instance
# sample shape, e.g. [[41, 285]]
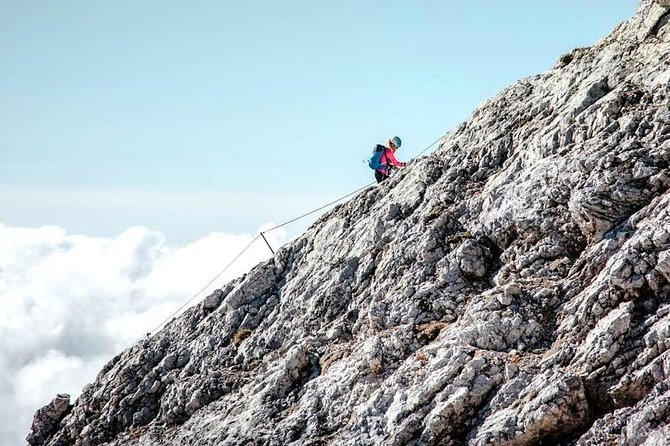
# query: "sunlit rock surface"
[[510, 289]]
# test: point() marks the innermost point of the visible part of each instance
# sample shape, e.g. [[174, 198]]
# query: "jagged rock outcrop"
[[513, 288], [48, 418]]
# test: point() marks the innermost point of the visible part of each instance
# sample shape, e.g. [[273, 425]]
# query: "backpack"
[[376, 161]]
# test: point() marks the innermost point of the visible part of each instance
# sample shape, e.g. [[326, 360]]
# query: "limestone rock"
[[513, 288], [47, 419]]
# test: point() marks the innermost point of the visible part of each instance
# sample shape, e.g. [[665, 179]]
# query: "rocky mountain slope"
[[513, 288]]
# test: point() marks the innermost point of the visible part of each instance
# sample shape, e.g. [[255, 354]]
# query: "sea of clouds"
[[72, 302]]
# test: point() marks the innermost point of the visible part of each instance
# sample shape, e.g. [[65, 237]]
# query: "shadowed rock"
[[48, 418]]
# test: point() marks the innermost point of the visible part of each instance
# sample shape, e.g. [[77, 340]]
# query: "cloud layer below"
[[71, 302]]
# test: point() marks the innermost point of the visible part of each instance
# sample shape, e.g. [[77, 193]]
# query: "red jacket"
[[388, 157]]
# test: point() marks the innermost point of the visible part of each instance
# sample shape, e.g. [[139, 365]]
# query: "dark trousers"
[[380, 176]]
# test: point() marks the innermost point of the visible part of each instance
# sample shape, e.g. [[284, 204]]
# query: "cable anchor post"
[[267, 243]]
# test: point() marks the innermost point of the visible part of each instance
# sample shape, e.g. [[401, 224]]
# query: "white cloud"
[[53, 370], [71, 302]]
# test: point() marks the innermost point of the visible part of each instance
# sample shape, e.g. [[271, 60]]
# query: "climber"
[[383, 159]]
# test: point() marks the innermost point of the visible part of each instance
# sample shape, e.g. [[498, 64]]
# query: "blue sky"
[[200, 116]]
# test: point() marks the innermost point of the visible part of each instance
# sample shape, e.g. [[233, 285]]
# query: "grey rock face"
[[510, 289], [47, 419]]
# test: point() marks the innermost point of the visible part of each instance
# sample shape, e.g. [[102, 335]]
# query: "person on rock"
[[384, 160]]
